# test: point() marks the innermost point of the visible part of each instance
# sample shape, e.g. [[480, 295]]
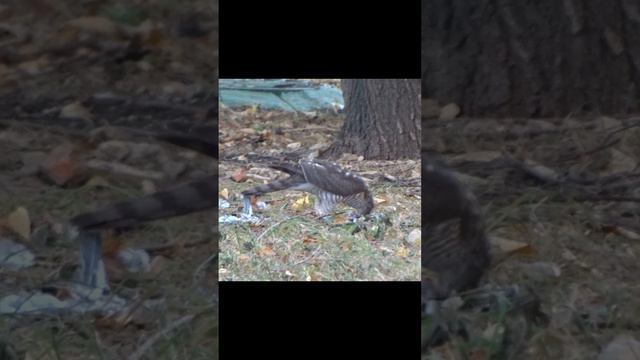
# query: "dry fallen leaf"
[[224, 193], [76, 110], [402, 252], [266, 251], [301, 203], [61, 165], [111, 245], [309, 239], [314, 276], [380, 200], [510, 247], [240, 175], [20, 223]]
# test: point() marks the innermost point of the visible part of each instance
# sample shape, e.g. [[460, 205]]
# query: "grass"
[[180, 288], [294, 245], [593, 299]]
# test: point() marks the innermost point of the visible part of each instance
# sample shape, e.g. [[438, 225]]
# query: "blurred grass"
[[592, 300], [182, 290]]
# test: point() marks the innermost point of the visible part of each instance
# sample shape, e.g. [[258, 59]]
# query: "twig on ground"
[[272, 227], [162, 333], [202, 265], [534, 169], [308, 257]]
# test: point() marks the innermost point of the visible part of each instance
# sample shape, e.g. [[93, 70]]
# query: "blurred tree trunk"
[[532, 58], [382, 119]]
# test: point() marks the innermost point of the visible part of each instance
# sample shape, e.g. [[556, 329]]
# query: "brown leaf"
[[20, 223], [111, 245], [309, 240], [61, 166], [266, 251], [240, 175]]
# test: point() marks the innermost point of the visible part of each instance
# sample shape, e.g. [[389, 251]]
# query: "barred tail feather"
[[455, 249], [191, 197]]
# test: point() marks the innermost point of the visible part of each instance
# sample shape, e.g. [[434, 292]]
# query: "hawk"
[[455, 250], [330, 183]]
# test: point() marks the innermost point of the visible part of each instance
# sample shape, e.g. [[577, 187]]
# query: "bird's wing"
[[289, 168], [332, 178]]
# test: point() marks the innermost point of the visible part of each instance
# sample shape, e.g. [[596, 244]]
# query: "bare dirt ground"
[[290, 243], [67, 69], [561, 201]]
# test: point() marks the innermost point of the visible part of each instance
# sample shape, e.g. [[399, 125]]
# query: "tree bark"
[[532, 58], [382, 119]]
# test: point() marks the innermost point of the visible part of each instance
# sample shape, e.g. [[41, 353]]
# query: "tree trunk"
[[382, 119], [532, 58]]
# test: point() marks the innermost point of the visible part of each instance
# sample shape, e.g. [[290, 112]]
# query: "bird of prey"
[[330, 183], [455, 250]]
